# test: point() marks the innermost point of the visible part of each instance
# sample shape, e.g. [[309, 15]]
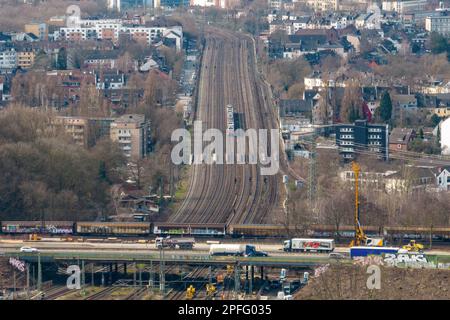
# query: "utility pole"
[[237, 280], [312, 187], [162, 276]]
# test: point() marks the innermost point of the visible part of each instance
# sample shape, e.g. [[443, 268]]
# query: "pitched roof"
[[401, 135]]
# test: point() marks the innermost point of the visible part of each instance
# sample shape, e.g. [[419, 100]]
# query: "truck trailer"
[[234, 250], [364, 251], [308, 245], [174, 243]]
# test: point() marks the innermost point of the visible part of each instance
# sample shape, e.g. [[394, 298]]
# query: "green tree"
[[438, 43], [385, 109], [435, 119], [61, 61]]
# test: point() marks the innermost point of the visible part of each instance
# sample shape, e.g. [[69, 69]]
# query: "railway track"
[[56, 292], [101, 294], [137, 294], [229, 193], [180, 293]]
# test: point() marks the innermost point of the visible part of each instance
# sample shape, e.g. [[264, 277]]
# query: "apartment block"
[[439, 24], [85, 131], [364, 138], [25, 58], [132, 132], [8, 58]]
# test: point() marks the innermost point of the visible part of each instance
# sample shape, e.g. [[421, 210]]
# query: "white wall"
[[445, 136]]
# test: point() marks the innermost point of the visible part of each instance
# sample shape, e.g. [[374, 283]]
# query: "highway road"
[[230, 193], [272, 249]]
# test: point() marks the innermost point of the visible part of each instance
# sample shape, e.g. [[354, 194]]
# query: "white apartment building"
[[8, 58], [404, 6], [439, 24], [445, 136], [323, 5]]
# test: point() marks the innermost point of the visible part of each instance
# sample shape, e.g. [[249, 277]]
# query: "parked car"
[[28, 249]]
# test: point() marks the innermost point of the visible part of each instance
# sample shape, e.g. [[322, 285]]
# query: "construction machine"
[[210, 290], [361, 238], [413, 246], [190, 292]]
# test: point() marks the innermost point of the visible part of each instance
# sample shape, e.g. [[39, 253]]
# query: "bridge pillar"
[[262, 272], [151, 278], [140, 277], [125, 269], [28, 279], [252, 278], [116, 267], [134, 274], [237, 279], [83, 274], [110, 273], [92, 274], [39, 275]]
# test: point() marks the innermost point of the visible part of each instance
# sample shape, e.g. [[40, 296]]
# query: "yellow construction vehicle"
[[230, 269], [361, 238], [210, 290], [413, 246], [35, 237], [190, 292]]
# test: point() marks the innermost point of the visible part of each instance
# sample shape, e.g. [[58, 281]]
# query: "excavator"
[[413, 246], [361, 239]]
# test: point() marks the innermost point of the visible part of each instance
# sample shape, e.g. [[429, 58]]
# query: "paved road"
[[200, 248]]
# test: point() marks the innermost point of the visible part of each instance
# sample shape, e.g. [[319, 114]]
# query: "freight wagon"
[[113, 228], [31, 227]]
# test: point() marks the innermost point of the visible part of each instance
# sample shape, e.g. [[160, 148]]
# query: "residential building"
[[439, 24], [85, 131], [404, 6], [443, 179], [76, 127], [362, 137], [323, 5], [111, 80], [405, 101], [399, 139], [8, 59], [25, 58], [38, 29], [132, 132], [411, 179], [445, 136]]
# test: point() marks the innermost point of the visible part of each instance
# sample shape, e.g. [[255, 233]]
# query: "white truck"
[[174, 243], [309, 245], [235, 250]]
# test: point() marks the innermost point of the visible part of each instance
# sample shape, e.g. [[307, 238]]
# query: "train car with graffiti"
[[37, 227], [191, 229], [113, 228], [139, 229]]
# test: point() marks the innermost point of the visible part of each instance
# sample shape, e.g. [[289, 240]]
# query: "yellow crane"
[[361, 238]]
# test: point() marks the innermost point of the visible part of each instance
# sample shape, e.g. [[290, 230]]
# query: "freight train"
[[143, 229]]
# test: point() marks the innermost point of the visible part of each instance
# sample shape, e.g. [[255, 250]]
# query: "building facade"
[[132, 132], [362, 137], [439, 24]]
